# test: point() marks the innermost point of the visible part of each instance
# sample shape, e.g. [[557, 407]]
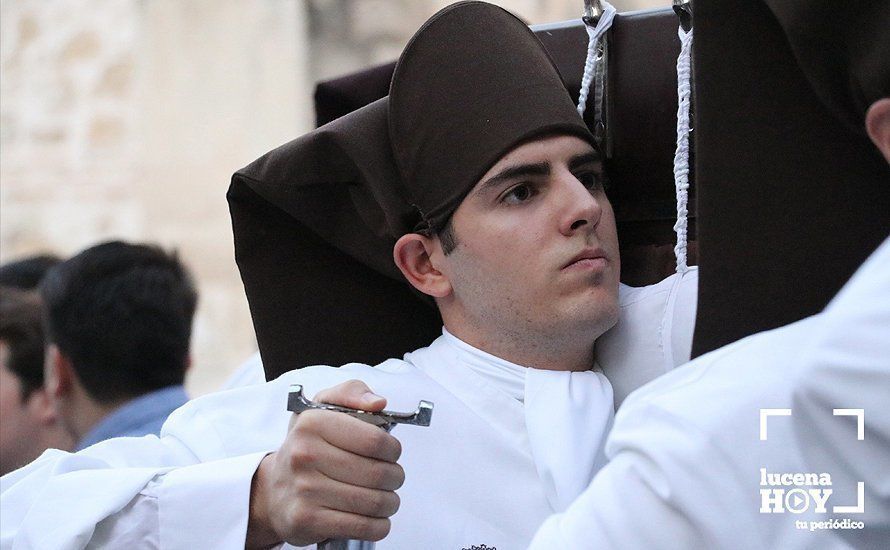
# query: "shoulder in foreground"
[[716, 388]]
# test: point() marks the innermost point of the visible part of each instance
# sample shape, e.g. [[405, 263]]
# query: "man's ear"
[[41, 407], [877, 124], [413, 255], [58, 373]]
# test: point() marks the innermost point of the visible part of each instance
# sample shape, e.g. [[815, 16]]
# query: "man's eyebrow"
[[513, 172], [585, 159]]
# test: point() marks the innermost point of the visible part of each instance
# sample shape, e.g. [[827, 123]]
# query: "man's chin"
[[593, 318], [604, 313]]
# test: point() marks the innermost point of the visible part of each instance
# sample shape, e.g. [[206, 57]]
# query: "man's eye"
[[591, 180], [519, 194]]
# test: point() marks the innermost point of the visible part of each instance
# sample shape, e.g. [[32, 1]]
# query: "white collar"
[[563, 416], [502, 374]]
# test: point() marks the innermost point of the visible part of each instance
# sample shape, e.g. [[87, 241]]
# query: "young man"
[[28, 421], [119, 322], [493, 195]]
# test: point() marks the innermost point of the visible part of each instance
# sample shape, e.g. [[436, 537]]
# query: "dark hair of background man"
[[122, 314], [26, 273], [22, 331]]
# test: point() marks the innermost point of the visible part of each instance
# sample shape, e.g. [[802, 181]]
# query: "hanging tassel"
[[681, 158]]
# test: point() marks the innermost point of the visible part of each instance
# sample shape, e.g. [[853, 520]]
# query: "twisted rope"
[[681, 157]]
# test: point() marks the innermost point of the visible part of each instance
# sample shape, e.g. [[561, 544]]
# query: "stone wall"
[[126, 118], [346, 35]]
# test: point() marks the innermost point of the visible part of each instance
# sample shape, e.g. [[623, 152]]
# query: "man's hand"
[[333, 477]]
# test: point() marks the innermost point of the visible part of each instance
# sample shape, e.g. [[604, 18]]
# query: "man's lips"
[[589, 258]]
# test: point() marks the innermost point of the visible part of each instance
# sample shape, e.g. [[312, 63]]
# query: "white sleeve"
[[136, 526], [58, 500], [199, 506], [665, 487], [191, 486], [74, 500], [848, 367]]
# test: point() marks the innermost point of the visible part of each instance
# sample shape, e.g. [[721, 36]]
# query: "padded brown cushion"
[[790, 201], [342, 312]]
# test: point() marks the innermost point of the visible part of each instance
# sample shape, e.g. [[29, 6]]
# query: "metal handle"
[[344, 544], [297, 403]]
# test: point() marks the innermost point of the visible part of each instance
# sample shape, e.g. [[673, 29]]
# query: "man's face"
[[537, 252], [17, 425]]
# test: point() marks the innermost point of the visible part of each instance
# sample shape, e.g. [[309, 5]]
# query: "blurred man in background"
[[26, 273], [28, 422], [118, 320]]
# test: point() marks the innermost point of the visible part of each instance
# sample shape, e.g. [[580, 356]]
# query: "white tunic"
[[507, 447], [687, 462], [848, 367]]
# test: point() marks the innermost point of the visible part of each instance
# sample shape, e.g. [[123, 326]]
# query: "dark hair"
[[27, 272], [122, 314], [448, 237], [21, 329]]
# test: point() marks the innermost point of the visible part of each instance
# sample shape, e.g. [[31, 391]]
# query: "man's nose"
[[579, 208]]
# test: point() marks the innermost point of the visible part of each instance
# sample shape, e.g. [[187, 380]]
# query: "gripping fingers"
[[352, 469], [354, 394], [371, 503], [350, 434]]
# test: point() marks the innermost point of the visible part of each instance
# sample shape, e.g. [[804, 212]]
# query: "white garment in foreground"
[[507, 447], [848, 367], [686, 454]]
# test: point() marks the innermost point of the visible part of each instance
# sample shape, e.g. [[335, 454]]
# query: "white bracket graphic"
[[860, 502], [860, 420], [766, 413]]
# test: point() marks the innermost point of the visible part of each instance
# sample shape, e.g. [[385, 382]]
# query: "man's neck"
[[85, 414], [55, 436], [561, 354]]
